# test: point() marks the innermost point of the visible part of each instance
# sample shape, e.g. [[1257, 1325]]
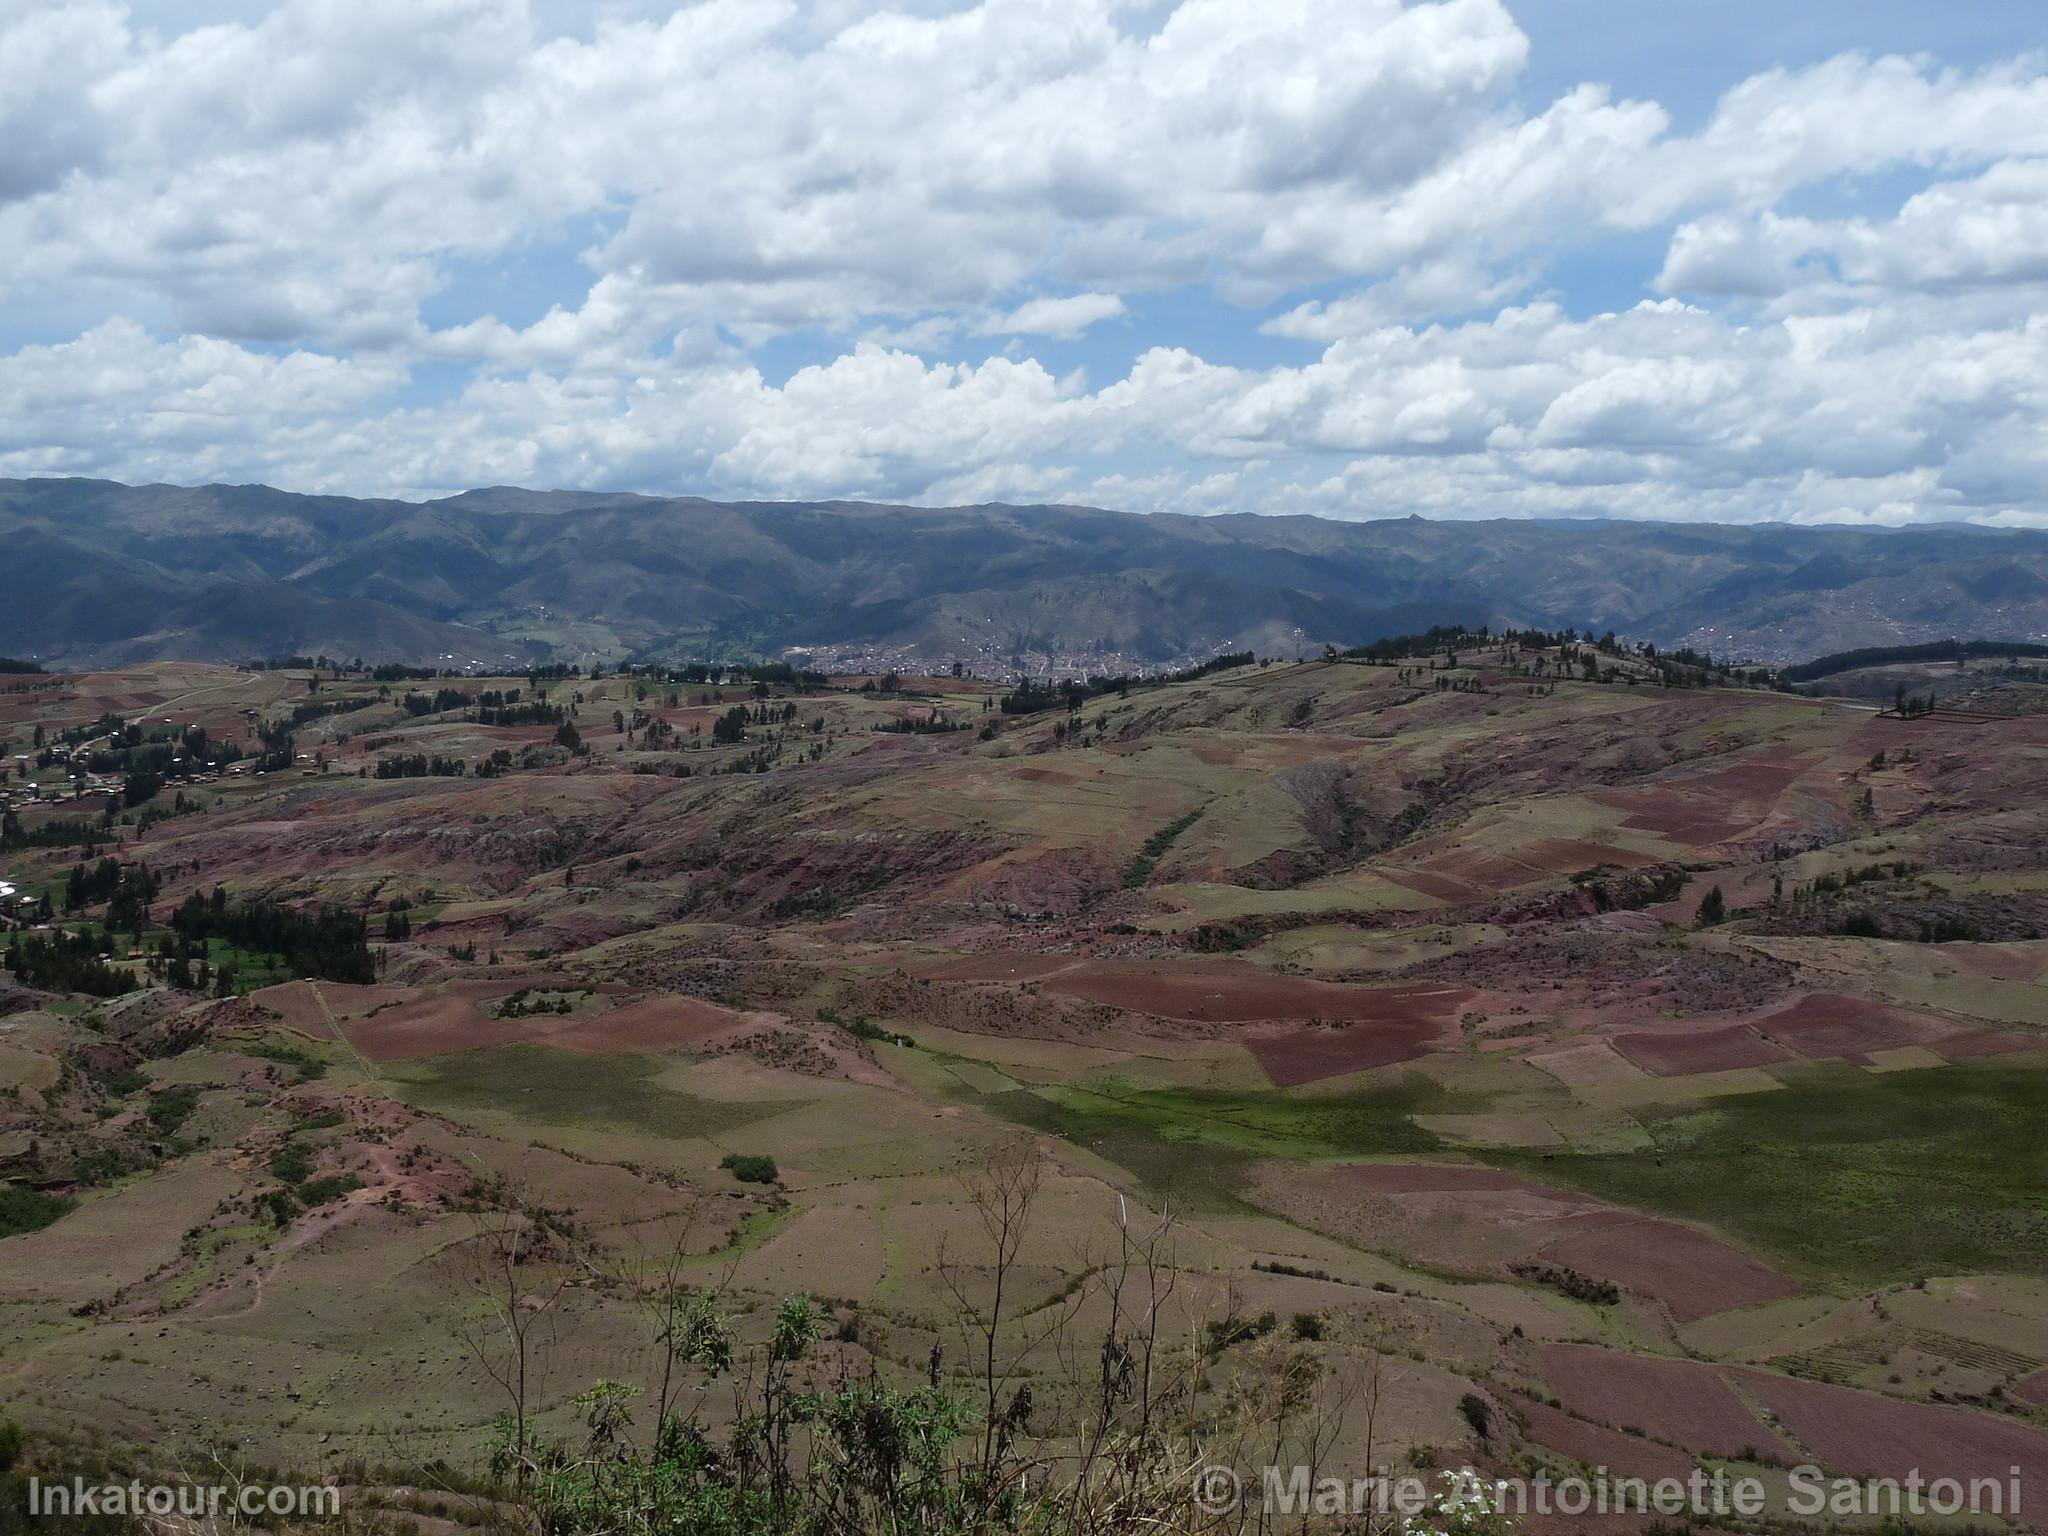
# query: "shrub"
[[172, 1108], [320, 1191], [750, 1168], [28, 1210], [1477, 1414]]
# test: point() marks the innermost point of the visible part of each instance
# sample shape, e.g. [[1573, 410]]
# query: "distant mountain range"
[[94, 573]]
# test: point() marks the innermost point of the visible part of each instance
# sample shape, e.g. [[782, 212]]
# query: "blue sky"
[[1737, 262]]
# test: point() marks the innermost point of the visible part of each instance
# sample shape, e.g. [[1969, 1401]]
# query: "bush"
[[291, 1166], [172, 1108], [1713, 908], [750, 1168], [1477, 1414], [28, 1210]]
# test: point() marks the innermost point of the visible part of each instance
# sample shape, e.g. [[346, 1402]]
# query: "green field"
[[1842, 1174], [1196, 1146], [561, 1088], [1850, 1174]]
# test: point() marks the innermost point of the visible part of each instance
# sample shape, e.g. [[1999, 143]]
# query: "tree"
[[515, 1269], [1713, 908], [730, 727]]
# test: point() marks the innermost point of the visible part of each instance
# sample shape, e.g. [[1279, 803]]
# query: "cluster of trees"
[[418, 765], [70, 832], [934, 724], [280, 746], [66, 962], [319, 709], [440, 701], [533, 712], [1681, 668], [16, 665], [1956, 651], [181, 963], [332, 945], [127, 892]]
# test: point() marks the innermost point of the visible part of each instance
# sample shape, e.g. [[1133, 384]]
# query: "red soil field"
[[1826, 1024], [1984, 1043], [441, 1019], [1569, 855], [1675, 1053], [1759, 777], [435, 1027], [295, 1004], [1433, 1178], [1232, 992], [1696, 823], [1681, 1401], [653, 1024], [1624, 1455], [1309, 1055], [1694, 1275], [1437, 887], [2034, 1389], [993, 967], [1711, 807], [1864, 1435], [347, 1001]]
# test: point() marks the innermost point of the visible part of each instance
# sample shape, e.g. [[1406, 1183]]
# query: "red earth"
[[295, 1003], [653, 1024], [1626, 1455], [992, 967], [1694, 1275], [428, 1021], [1310, 1055], [1864, 1435], [1680, 1401], [1674, 1053], [1233, 992], [1826, 1024], [1432, 1178]]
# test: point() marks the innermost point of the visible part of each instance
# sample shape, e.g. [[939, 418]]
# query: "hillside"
[[1660, 1069], [104, 574]]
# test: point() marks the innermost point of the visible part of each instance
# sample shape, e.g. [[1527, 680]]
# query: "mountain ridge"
[[99, 573]]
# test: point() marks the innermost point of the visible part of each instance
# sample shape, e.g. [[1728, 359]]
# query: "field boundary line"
[[369, 1070]]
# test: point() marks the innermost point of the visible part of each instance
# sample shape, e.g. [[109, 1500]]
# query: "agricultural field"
[[1662, 1068]]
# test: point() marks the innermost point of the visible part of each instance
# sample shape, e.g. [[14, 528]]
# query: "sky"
[[1735, 262]]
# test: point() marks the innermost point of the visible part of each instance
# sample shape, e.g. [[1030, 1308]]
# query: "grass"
[[548, 1087], [1848, 1174], [1155, 848], [1841, 1174], [28, 1210], [1198, 1145]]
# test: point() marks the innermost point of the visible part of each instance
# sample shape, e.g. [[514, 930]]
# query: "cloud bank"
[[1252, 255]]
